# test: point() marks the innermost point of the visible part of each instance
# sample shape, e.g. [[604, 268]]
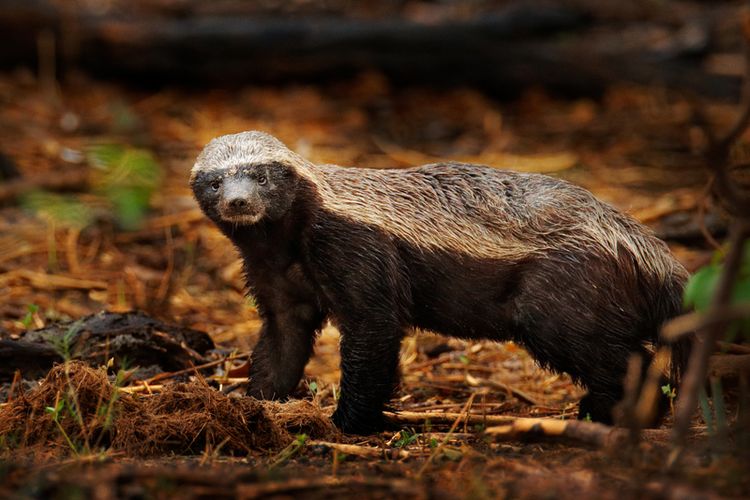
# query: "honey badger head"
[[244, 178]]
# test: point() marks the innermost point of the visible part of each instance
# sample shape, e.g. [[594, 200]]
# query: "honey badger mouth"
[[240, 219]]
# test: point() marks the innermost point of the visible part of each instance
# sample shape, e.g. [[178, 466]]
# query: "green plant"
[[671, 393], [106, 413], [64, 344], [28, 318], [406, 437], [122, 178], [701, 288], [126, 177], [312, 386], [284, 455], [55, 412]]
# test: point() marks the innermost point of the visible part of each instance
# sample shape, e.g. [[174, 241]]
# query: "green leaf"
[[406, 437], [700, 287], [31, 310], [130, 206]]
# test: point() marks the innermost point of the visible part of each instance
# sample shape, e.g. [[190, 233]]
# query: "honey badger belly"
[[462, 250]]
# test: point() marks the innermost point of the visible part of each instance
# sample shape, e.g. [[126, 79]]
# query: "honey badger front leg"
[[284, 348], [367, 293]]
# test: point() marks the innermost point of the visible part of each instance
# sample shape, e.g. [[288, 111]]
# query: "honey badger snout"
[[240, 200]]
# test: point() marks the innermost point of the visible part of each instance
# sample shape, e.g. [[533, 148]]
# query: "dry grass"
[[182, 418]]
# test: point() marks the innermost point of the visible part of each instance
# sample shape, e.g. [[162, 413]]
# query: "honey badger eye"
[[262, 180], [215, 185]]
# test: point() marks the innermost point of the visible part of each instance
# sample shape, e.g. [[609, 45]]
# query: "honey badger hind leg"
[[598, 367], [589, 327]]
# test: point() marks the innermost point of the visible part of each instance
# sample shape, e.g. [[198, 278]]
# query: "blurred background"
[[105, 104]]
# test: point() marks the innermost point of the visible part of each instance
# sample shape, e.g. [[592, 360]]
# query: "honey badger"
[[459, 249]]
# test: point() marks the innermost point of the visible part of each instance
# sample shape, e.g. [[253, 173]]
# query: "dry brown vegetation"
[[635, 147]]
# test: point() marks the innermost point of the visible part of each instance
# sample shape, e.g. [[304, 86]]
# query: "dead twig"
[[403, 487], [590, 433], [465, 411], [165, 376], [46, 281], [694, 321], [147, 388], [730, 348], [493, 384], [413, 417], [363, 451]]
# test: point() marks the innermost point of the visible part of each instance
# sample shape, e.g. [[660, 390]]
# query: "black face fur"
[[245, 195], [576, 308]]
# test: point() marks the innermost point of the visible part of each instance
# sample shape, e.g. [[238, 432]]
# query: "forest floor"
[[634, 147]]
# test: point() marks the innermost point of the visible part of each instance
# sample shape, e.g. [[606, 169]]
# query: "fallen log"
[[33, 360], [503, 52], [132, 338]]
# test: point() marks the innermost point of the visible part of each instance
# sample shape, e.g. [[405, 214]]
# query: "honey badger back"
[[459, 249]]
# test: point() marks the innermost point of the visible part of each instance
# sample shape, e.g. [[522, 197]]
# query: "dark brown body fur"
[[577, 309]]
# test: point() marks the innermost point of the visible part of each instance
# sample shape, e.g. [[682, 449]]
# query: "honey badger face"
[[246, 194]]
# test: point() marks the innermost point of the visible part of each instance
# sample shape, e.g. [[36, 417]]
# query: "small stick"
[[16, 380], [51, 281], [298, 487], [164, 376], [516, 393], [730, 348], [135, 389], [443, 358], [442, 444], [71, 250], [412, 417], [691, 322], [161, 293], [362, 451]]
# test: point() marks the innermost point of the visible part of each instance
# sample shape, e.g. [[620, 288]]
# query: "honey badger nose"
[[237, 203]]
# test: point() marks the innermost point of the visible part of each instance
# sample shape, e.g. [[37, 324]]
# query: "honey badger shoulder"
[[462, 250]]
